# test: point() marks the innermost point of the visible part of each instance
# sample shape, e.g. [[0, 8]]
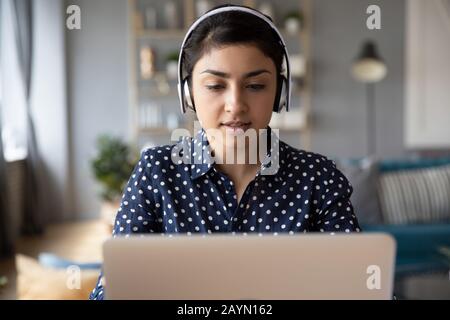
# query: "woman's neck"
[[240, 174], [233, 163]]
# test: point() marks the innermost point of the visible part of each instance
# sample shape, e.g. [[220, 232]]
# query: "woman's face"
[[234, 90]]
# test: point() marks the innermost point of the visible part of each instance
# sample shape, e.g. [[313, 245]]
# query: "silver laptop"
[[304, 266]]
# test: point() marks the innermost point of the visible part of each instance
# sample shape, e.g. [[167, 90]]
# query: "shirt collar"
[[200, 152], [202, 161]]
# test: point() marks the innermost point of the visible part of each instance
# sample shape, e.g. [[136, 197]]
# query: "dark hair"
[[232, 27]]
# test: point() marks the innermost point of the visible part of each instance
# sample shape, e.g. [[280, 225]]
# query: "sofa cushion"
[[363, 176], [415, 196]]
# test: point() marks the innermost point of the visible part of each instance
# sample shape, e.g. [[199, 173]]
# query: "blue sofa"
[[418, 247], [421, 243]]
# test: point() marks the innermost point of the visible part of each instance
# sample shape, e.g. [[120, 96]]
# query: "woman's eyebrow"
[[227, 75]]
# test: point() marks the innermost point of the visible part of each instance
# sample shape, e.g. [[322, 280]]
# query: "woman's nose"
[[235, 102]]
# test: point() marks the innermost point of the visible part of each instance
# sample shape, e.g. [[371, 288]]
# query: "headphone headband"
[[285, 71]]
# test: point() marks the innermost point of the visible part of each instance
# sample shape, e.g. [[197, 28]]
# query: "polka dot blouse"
[[307, 193]]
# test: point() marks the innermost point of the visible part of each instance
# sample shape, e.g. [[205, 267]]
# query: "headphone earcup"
[[187, 95], [283, 95], [280, 94]]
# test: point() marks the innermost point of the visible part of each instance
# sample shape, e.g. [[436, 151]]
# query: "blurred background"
[[85, 85]]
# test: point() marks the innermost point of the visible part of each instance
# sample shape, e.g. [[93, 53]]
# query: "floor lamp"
[[369, 69]]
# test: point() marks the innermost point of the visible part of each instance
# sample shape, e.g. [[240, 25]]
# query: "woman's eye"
[[214, 87], [256, 87], [253, 87]]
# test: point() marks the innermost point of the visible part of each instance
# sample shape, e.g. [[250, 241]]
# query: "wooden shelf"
[[158, 74], [161, 33], [285, 34], [180, 33], [152, 93], [161, 130]]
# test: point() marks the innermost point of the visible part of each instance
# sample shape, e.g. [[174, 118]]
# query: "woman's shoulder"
[[156, 152], [165, 154], [315, 166], [306, 159]]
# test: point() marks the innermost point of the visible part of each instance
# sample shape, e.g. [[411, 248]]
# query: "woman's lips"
[[236, 128]]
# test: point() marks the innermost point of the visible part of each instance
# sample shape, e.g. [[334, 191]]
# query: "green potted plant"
[[3, 281], [112, 167], [293, 21], [172, 65]]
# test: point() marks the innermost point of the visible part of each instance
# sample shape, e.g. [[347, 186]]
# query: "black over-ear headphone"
[[283, 93]]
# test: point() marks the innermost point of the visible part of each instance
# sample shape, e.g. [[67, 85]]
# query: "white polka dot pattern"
[[306, 194]]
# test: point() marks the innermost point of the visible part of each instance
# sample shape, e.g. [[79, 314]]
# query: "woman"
[[233, 61]]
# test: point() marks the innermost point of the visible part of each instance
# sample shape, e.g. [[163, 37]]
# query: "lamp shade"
[[369, 67]]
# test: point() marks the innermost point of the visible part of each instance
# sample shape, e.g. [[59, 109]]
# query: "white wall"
[[97, 57], [427, 107], [339, 102]]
